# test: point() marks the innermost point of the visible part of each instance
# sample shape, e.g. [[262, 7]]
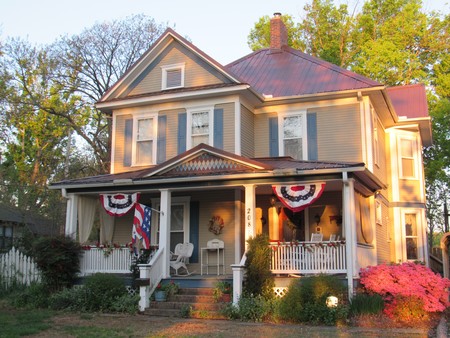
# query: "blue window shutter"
[[128, 142], [161, 144], [182, 121], [194, 229], [273, 136], [218, 128], [313, 153]]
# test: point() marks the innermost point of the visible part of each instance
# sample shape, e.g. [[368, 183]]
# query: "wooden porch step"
[[192, 302]]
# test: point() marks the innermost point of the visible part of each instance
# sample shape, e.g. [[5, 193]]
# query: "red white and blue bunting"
[[118, 204], [298, 197]]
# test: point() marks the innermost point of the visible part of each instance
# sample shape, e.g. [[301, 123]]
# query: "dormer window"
[[173, 76]]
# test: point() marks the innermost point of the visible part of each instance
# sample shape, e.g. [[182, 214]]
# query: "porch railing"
[[308, 257], [105, 260], [150, 274]]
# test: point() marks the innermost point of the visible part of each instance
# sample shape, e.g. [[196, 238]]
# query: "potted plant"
[[222, 291], [164, 290]]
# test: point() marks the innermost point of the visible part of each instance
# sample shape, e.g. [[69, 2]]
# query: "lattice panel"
[[132, 291], [280, 291]]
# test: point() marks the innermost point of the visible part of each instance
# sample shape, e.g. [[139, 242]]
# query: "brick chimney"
[[278, 32]]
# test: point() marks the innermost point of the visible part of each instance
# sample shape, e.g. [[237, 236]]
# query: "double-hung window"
[[200, 127], [410, 223], [145, 137], [173, 76], [408, 157], [293, 141]]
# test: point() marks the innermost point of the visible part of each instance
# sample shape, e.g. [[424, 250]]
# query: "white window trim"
[[376, 143], [415, 150], [420, 244], [210, 110], [185, 201], [136, 119], [167, 68], [303, 114]]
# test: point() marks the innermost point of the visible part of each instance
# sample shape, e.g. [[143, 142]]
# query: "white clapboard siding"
[[16, 267]]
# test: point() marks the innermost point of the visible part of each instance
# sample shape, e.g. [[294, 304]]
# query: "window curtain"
[[365, 231], [106, 226], [86, 212]]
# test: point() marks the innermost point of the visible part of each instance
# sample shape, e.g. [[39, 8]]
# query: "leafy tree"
[[47, 103], [326, 31], [259, 37], [90, 63]]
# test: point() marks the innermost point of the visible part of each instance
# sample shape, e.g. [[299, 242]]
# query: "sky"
[[218, 28]]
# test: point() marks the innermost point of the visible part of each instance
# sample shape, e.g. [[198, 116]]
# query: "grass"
[[24, 322], [96, 332]]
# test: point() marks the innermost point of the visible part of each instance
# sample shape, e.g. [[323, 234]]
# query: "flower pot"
[[225, 298], [160, 296]]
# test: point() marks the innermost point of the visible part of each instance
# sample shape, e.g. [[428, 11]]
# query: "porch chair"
[[317, 237], [333, 237], [183, 251]]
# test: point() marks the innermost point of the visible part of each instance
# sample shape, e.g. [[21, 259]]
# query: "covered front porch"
[[195, 200]]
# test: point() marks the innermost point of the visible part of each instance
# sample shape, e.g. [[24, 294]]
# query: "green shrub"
[[305, 301], [126, 304], [102, 290], [73, 299], [258, 277], [58, 259], [250, 308], [35, 295], [365, 303]]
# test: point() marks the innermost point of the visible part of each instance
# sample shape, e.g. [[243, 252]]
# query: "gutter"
[[273, 174]]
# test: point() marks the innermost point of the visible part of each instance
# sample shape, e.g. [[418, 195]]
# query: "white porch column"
[[348, 206], [250, 212], [164, 230], [71, 216]]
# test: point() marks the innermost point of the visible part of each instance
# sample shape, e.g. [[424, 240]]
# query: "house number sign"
[[249, 229]]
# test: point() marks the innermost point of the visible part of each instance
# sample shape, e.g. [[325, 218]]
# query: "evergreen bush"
[[306, 301], [58, 259], [258, 278]]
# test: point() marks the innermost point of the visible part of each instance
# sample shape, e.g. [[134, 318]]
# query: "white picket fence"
[[15, 267]]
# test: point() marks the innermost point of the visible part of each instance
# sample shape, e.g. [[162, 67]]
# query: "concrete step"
[[189, 302]]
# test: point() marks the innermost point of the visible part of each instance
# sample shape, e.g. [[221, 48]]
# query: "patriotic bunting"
[[118, 204], [298, 197]]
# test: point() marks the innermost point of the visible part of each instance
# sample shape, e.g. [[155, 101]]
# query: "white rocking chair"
[[183, 251]]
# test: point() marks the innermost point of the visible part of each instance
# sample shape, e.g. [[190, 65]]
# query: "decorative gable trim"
[[204, 159], [207, 163]]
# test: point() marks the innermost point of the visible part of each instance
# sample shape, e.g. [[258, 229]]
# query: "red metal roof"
[[289, 72], [409, 101]]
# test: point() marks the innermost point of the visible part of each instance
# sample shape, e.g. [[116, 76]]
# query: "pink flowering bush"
[[407, 280]]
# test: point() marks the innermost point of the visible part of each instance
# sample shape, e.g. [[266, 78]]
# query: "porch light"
[[273, 200], [332, 301]]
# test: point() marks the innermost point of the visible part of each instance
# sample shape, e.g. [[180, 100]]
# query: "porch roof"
[[206, 165]]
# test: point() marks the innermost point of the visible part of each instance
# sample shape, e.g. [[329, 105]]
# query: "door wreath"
[[216, 225]]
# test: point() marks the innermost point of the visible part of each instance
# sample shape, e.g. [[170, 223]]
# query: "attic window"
[[173, 76]]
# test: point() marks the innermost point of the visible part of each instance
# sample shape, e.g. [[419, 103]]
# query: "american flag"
[[141, 224]]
